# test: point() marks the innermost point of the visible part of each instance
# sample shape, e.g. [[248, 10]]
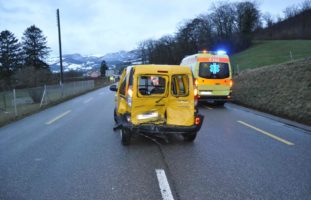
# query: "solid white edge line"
[[164, 185]]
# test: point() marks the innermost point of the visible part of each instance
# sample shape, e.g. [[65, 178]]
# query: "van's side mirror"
[[113, 88]]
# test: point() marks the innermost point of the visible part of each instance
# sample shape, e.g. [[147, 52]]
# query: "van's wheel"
[[190, 137], [125, 136], [115, 116]]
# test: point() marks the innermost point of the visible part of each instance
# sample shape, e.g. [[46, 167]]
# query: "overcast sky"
[[97, 27]]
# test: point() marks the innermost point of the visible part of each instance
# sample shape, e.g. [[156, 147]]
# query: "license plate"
[[205, 93]]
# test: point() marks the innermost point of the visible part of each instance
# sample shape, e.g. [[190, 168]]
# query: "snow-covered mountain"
[[86, 63]]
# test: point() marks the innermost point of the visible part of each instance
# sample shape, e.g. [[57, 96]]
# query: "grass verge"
[[283, 90]]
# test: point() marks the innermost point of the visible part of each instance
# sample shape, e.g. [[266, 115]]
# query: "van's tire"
[[190, 137], [115, 116], [125, 136]]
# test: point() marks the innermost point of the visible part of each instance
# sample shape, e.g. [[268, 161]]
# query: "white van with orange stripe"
[[213, 74]]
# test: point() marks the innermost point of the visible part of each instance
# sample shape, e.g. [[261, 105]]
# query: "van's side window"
[[122, 86], [180, 85], [131, 77]]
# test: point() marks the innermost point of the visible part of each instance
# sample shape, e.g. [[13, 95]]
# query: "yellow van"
[[156, 99], [213, 74]]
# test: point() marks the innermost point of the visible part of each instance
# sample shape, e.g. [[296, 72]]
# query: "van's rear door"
[[214, 77], [180, 106], [150, 99]]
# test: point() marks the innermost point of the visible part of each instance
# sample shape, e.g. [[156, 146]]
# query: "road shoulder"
[[273, 117]]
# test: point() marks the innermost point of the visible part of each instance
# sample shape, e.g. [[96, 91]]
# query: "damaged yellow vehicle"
[[156, 99]]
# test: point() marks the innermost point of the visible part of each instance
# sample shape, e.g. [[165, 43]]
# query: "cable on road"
[[167, 168]]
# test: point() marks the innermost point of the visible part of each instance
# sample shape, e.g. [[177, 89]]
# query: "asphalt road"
[[71, 152]]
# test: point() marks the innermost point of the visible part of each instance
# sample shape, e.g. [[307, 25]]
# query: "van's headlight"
[[148, 115]]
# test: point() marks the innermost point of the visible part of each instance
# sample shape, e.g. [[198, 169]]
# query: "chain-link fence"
[[19, 102]]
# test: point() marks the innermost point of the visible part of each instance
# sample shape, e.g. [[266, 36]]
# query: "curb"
[[273, 117]]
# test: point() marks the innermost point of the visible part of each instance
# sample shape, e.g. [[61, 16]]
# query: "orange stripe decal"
[[213, 59]]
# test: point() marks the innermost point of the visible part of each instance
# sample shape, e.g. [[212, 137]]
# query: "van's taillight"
[[130, 92], [129, 96], [195, 96], [195, 92], [196, 82], [231, 83], [197, 120]]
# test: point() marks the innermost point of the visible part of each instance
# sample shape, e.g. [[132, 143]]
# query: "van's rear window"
[[213, 70], [151, 85], [180, 85]]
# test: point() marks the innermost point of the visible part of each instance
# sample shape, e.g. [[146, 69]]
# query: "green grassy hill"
[[269, 52]]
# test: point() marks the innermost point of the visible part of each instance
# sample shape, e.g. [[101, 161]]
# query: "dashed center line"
[[88, 100], [267, 134], [164, 185], [58, 117]]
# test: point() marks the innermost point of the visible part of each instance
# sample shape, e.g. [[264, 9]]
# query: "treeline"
[[22, 62], [294, 26], [228, 26]]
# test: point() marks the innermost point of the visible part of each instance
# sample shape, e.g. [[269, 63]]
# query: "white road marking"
[[88, 100], [102, 93], [163, 184], [58, 117]]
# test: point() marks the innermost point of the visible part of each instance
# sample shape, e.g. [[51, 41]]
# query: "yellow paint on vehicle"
[[58, 117], [267, 133]]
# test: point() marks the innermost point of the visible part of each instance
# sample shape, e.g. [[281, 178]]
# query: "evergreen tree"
[[35, 48], [103, 68], [9, 55]]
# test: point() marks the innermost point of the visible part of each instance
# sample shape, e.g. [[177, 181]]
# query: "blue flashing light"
[[221, 52]]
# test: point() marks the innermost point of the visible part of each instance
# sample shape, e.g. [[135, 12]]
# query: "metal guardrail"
[[19, 102]]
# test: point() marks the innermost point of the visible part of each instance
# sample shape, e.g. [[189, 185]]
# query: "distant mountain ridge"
[[78, 62]]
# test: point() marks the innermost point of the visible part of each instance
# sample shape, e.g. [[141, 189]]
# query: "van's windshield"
[[151, 85], [213, 70]]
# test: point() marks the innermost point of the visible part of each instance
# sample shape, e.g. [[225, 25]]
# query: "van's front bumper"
[[162, 128]]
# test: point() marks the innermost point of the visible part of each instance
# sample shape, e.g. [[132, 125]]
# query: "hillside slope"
[[283, 90], [271, 52]]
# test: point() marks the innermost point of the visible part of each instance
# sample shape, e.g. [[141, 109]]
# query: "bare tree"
[[268, 19], [291, 11]]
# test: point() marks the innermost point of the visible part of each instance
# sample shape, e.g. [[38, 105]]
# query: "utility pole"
[[60, 49]]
